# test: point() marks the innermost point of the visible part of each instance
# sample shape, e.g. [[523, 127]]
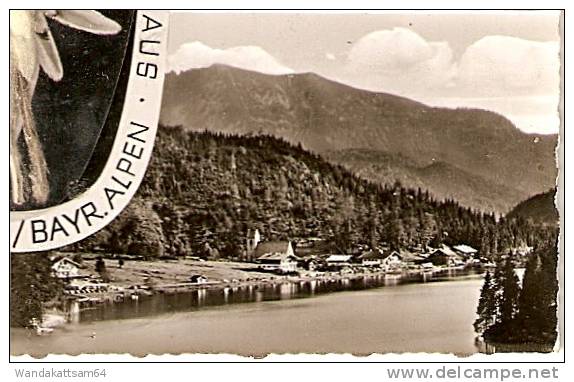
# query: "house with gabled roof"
[[372, 258], [381, 258], [277, 256], [65, 268], [338, 261], [411, 258], [392, 260], [465, 250], [445, 256]]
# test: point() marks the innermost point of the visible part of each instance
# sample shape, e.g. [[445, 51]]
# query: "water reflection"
[[201, 298], [313, 286], [403, 318]]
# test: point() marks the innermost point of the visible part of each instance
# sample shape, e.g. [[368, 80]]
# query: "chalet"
[[445, 256], [276, 256], [65, 268], [392, 260], [413, 259], [339, 261], [198, 279], [465, 251], [372, 259]]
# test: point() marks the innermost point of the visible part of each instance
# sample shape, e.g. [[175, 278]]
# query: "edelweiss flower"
[[32, 48]]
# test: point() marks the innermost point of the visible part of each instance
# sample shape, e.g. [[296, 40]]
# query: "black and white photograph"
[[361, 183]]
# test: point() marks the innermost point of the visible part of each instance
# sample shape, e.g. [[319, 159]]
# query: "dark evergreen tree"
[[509, 292], [549, 308], [486, 310], [531, 311], [101, 269], [31, 285], [537, 317]]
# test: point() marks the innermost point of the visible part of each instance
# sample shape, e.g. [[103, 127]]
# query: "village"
[[98, 278]]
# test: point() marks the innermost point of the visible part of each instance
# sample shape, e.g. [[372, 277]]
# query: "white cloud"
[[198, 55], [389, 50], [514, 77], [399, 61], [502, 65]]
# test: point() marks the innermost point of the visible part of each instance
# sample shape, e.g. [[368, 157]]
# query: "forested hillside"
[[539, 209], [439, 178], [205, 193]]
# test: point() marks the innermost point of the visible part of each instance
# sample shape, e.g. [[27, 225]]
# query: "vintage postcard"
[[255, 183]]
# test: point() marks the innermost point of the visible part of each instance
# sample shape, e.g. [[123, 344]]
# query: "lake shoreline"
[[138, 278], [74, 308], [248, 319]]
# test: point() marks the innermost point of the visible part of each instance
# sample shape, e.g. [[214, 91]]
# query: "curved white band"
[[57, 226]]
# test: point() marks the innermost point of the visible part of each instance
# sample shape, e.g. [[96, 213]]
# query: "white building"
[[465, 250], [392, 261], [339, 260], [277, 256], [66, 268]]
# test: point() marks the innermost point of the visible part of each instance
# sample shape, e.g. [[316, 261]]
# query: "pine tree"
[[342, 224], [550, 287], [507, 296], [537, 305], [427, 229], [532, 297], [102, 270], [396, 234], [486, 309]]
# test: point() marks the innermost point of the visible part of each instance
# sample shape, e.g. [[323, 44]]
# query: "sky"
[[507, 62]]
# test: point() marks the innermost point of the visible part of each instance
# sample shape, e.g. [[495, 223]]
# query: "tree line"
[[205, 192], [523, 312]]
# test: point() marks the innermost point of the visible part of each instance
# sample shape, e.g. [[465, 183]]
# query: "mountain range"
[[476, 157]]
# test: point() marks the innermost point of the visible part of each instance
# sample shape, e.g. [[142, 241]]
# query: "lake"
[[371, 314]]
